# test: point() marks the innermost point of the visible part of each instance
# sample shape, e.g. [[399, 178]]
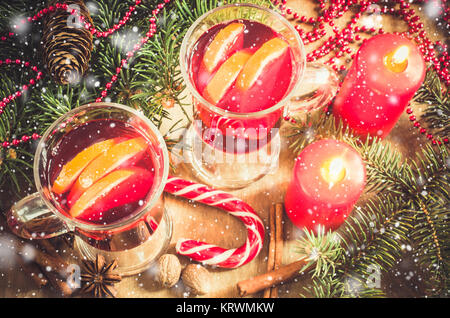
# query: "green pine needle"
[[322, 250], [435, 95]]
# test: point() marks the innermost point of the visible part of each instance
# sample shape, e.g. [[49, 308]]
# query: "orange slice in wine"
[[125, 153], [117, 188], [262, 58], [74, 167], [221, 45], [225, 76]]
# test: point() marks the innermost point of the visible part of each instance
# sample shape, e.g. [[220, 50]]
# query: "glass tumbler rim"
[[185, 68], [74, 223]]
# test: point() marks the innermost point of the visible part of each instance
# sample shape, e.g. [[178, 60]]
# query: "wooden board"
[[212, 225]]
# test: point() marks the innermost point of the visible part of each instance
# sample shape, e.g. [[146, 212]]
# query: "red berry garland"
[[342, 38], [337, 44], [95, 32]]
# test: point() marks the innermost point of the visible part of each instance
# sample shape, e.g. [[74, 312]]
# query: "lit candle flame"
[[400, 55], [397, 61], [333, 171]]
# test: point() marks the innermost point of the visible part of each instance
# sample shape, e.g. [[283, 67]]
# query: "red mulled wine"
[[101, 171], [241, 67]]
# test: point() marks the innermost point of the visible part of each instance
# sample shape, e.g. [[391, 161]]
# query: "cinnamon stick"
[[269, 279], [48, 247], [279, 235], [48, 267], [59, 284], [50, 262], [33, 271], [278, 243], [272, 244], [54, 266], [51, 266]]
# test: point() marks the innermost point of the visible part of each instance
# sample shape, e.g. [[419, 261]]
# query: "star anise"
[[99, 278]]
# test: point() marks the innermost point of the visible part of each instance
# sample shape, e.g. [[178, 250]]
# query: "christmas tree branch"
[[370, 240], [322, 250], [374, 234], [57, 101], [430, 233], [159, 81], [435, 95], [432, 227], [386, 169]]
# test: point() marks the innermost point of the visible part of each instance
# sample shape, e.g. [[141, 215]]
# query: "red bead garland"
[[342, 38], [94, 31], [338, 44], [25, 87], [10, 98]]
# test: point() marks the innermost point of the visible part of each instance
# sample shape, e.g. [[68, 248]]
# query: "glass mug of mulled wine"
[[100, 172], [245, 68]]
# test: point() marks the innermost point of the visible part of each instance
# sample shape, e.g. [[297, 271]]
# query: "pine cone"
[[67, 44]]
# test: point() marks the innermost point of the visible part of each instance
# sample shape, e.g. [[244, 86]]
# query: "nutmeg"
[[169, 270], [197, 278]]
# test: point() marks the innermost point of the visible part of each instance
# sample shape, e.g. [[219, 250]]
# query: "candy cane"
[[208, 253]]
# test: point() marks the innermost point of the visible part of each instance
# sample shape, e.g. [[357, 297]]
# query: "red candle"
[[386, 72], [329, 177]]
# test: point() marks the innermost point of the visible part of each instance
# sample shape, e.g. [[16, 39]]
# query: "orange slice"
[[267, 53], [225, 76], [125, 152], [74, 167], [219, 48], [99, 190], [118, 188]]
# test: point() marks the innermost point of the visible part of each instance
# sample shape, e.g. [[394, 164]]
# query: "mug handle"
[[30, 218], [318, 86]]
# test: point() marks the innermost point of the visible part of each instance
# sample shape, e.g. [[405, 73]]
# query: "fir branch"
[[190, 10], [108, 56], [316, 125], [16, 119], [355, 287], [322, 250], [14, 163], [28, 34], [431, 234], [386, 169], [261, 3], [333, 287], [371, 239], [431, 206], [158, 77], [431, 173], [335, 283], [324, 287], [435, 95], [56, 101], [108, 12], [373, 235]]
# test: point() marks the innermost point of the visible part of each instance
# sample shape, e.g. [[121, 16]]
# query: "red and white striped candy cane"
[[208, 253]]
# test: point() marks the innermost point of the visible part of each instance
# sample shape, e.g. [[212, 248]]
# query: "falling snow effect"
[[8, 248]]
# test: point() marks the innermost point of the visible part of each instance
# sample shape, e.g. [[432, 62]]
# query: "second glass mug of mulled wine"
[[100, 172], [245, 67]]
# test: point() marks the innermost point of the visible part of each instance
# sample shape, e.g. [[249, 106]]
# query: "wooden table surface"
[[215, 226]]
